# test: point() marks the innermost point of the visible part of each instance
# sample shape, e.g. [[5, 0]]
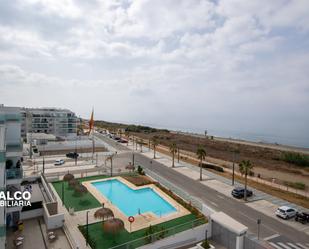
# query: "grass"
[[100, 240], [79, 203]]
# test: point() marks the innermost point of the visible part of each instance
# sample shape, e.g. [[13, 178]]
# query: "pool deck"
[[141, 221]]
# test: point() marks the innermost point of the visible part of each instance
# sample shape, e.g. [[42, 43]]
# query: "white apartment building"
[[59, 122], [10, 165]]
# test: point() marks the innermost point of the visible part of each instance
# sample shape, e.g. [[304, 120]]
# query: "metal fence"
[[151, 238], [178, 191]]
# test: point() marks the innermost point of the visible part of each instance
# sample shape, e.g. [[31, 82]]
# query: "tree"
[[155, 143], [173, 150], [245, 167], [127, 134], [201, 155]]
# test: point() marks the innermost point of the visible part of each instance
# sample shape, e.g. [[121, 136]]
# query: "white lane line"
[[294, 246], [284, 246], [272, 236], [302, 246], [221, 197], [274, 245], [213, 203]]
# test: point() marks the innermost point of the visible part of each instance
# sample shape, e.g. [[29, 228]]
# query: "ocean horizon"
[[299, 142]]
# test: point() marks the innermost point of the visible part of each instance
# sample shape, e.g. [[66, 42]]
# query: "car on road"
[[59, 162], [72, 155], [302, 217], [286, 212], [239, 192]]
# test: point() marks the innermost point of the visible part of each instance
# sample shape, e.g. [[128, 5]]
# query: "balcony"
[[14, 149], [14, 176], [2, 231], [12, 117]]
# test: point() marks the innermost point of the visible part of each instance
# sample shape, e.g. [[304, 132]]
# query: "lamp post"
[[87, 232], [133, 159], [206, 234], [259, 223], [62, 192]]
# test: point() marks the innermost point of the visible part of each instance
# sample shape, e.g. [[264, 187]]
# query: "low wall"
[[184, 238], [52, 221], [31, 214]]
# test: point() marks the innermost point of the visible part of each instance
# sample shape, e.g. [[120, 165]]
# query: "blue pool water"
[[130, 201]]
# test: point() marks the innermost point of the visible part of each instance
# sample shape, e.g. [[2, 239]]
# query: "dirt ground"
[[266, 161]]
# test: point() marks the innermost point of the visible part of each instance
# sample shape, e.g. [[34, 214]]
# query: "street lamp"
[[259, 223], [87, 232], [62, 192]]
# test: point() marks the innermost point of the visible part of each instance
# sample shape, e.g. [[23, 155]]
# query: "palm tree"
[[201, 155], [140, 143], [155, 143], [173, 150], [245, 167], [127, 134]]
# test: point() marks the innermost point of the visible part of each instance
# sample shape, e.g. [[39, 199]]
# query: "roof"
[[285, 208], [229, 223]]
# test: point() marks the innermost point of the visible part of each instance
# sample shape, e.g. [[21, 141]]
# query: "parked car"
[[59, 162], [72, 155], [286, 212], [302, 217], [239, 192]]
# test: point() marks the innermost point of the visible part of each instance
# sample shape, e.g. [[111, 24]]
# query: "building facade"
[[11, 173], [59, 122]]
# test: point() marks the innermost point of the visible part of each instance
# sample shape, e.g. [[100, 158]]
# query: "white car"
[[59, 162], [286, 212]]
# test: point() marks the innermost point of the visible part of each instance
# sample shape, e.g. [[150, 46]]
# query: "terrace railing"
[[178, 191], [151, 238]]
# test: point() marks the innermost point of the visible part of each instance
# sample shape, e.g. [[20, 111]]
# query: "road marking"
[[302, 246], [294, 246], [221, 197], [272, 236], [274, 245], [213, 203], [284, 246]]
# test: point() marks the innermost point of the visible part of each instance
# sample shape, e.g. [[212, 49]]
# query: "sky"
[[228, 66]]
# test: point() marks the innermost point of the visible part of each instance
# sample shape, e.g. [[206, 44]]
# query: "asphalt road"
[[235, 209]]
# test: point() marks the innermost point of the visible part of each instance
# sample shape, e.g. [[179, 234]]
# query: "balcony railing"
[[2, 231], [14, 173], [14, 147]]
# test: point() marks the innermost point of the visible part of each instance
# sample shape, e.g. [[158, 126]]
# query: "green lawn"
[[87, 201], [100, 240]]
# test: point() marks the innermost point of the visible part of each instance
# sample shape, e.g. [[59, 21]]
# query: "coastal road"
[[240, 212]]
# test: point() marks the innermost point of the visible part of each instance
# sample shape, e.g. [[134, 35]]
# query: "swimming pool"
[[131, 201]]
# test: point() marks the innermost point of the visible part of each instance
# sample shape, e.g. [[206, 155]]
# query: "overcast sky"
[[225, 65]]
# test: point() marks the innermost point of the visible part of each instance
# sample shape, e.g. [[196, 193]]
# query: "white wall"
[[52, 221], [188, 237], [31, 214]]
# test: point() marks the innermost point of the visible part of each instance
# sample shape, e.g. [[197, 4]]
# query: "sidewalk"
[[260, 201]]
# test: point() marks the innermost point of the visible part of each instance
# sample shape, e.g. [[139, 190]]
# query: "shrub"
[[211, 166], [296, 158], [297, 185], [205, 244], [140, 170], [8, 164]]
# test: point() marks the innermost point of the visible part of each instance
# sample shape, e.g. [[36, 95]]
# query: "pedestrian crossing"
[[289, 245]]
